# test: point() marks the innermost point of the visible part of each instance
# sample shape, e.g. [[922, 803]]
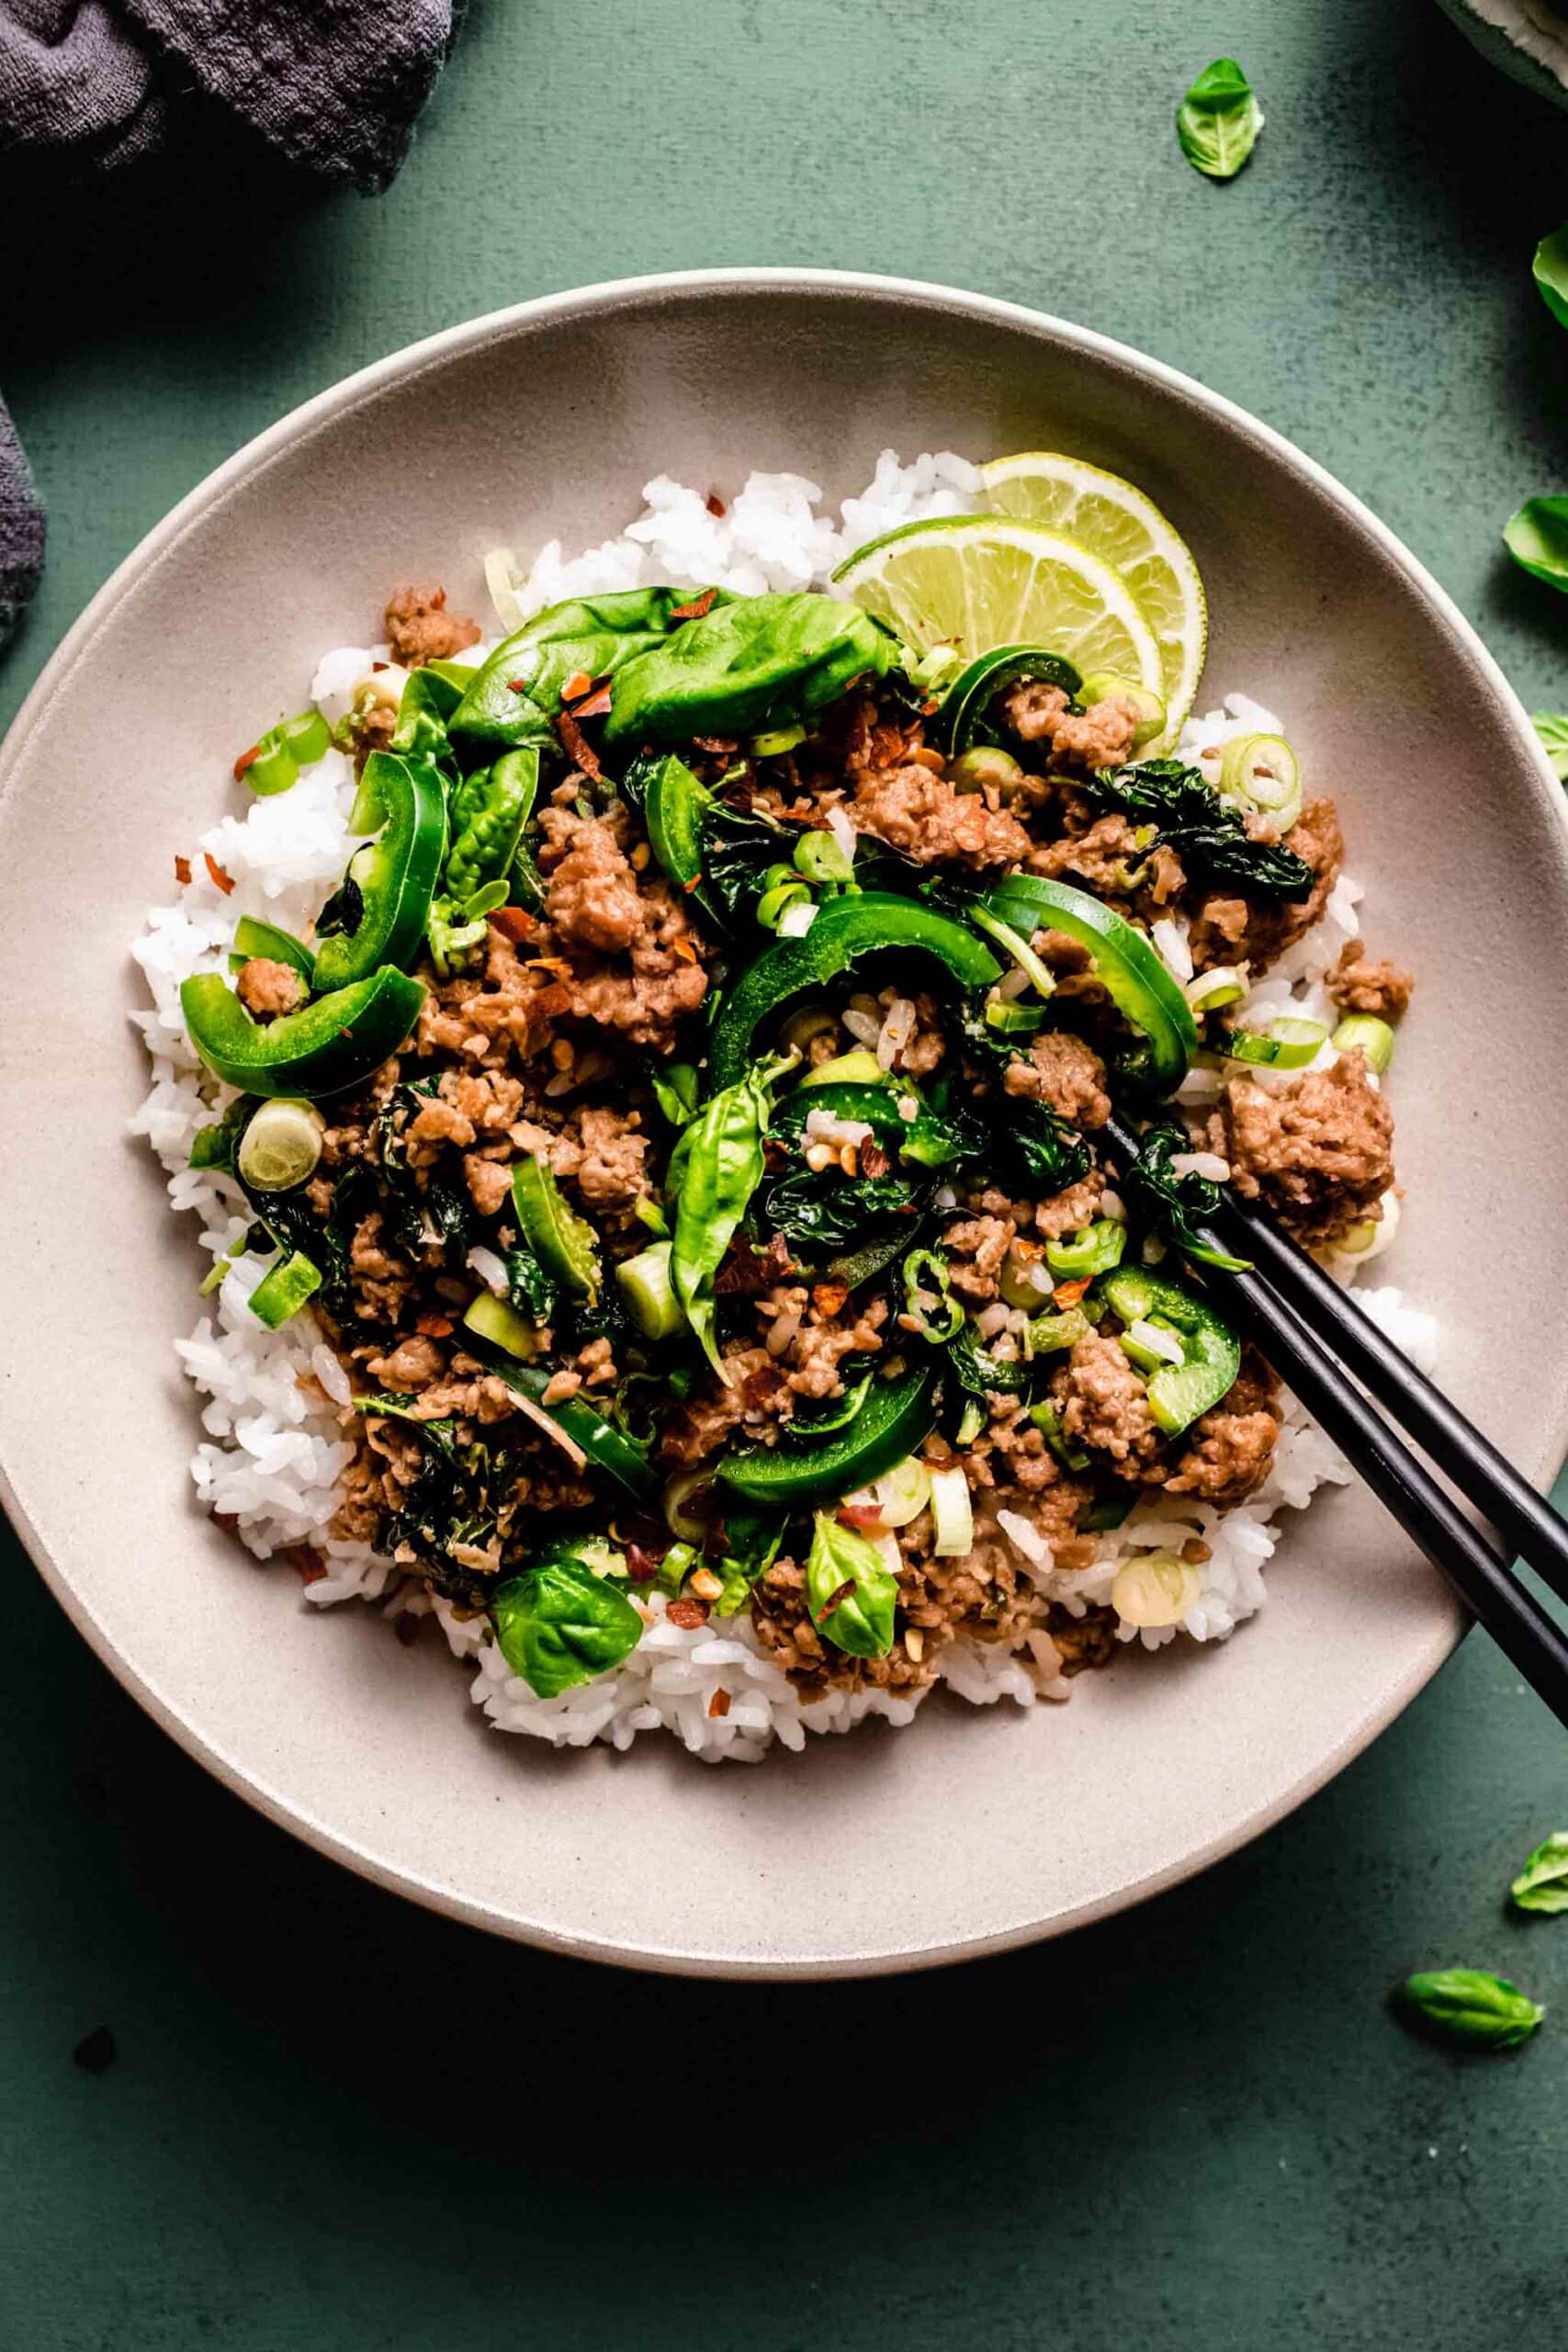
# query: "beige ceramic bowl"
[[974, 1829]]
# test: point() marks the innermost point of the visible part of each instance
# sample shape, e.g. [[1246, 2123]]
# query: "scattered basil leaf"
[[1180, 1203], [1551, 272], [1551, 726], [713, 1172], [861, 1623], [1537, 538], [558, 1624], [1218, 120], [1471, 2005], [1207, 833], [1542, 1884]]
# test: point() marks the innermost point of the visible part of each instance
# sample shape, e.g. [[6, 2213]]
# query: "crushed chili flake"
[[578, 683], [593, 705], [182, 869], [827, 1297], [689, 1614], [518, 685], [246, 759], [308, 1565], [715, 503], [698, 609], [576, 747], [684, 949], [718, 1705], [642, 1566], [434, 1327], [833, 1600], [225, 881], [513, 923], [1069, 1293], [875, 1160], [860, 1516]]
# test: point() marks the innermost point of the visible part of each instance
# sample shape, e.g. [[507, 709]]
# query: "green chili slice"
[[964, 719], [253, 937], [564, 1243], [896, 1417], [1144, 992], [324, 1048], [1178, 1393], [378, 916]]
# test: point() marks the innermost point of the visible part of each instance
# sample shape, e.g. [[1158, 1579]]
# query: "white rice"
[[277, 1413]]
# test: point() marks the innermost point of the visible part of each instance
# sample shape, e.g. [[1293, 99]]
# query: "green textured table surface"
[[333, 2121]]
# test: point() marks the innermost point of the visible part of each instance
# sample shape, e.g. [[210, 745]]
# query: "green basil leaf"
[[558, 1624], [1550, 269], [1551, 726], [1471, 2005], [1218, 120], [1542, 1884], [861, 1622], [713, 1172], [1537, 538], [765, 662]]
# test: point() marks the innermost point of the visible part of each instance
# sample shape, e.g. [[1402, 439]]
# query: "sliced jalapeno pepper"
[[393, 877], [324, 1048], [963, 719], [253, 937], [845, 929], [603, 1444], [896, 1418], [1135, 979], [1179, 1393]]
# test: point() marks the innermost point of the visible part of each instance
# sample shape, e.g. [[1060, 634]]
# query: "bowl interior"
[[977, 1827]]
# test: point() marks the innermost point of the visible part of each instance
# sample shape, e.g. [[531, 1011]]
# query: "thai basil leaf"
[[851, 1592], [448, 1505], [713, 1172], [751, 1542], [1550, 273], [487, 813], [981, 1374], [557, 1624], [764, 662], [1552, 727], [1471, 2005], [1181, 1203], [1218, 120], [1537, 538], [1542, 1884], [675, 1091], [215, 1146], [427, 703], [1037, 1150], [516, 695], [832, 1211], [1205, 832]]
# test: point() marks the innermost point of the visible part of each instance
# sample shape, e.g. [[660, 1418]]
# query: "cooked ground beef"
[[267, 988], [1066, 1074], [931, 821], [1319, 1152], [1104, 1406], [420, 628], [1357, 984], [1101, 737], [1227, 928], [593, 894]]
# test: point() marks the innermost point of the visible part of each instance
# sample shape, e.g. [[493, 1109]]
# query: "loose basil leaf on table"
[[850, 1591], [1550, 273], [1536, 538], [558, 1624], [1551, 726], [1218, 120], [1542, 1884], [1470, 2004]]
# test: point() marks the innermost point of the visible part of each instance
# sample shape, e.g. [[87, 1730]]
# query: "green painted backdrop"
[[334, 2121]]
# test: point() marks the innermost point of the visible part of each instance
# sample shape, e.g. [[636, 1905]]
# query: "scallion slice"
[[283, 1290], [1262, 772], [494, 1320], [1210, 991], [1040, 974], [1284, 1045], [282, 1145], [649, 1292], [1374, 1038], [952, 1512]]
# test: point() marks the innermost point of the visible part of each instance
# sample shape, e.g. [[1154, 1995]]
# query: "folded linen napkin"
[[335, 85]]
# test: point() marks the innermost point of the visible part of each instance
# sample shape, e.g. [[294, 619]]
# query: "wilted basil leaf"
[[1471, 2005], [850, 1590], [1218, 120], [1182, 1204], [1542, 1884]]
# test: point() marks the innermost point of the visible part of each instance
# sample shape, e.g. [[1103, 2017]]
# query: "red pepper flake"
[[642, 1566], [225, 881], [343, 1032], [833, 1600], [1069, 1293], [595, 704], [683, 948], [715, 503], [699, 607], [513, 923], [875, 1160], [929, 707], [407, 1625], [827, 1297], [576, 747], [434, 1327], [578, 683], [718, 1705], [518, 685], [182, 869], [246, 760], [308, 1565], [689, 1614], [860, 1516]]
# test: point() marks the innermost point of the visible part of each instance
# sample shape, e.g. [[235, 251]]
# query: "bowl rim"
[[251, 462]]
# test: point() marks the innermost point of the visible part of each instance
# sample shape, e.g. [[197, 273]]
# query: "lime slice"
[[1127, 530], [979, 580]]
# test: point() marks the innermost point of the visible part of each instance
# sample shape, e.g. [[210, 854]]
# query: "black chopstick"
[[1300, 1354]]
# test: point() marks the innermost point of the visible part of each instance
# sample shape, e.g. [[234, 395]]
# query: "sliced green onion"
[[1284, 1045], [1038, 973], [1093, 1251], [772, 904], [306, 737], [811, 1021], [1109, 1511], [647, 1212], [1149, 1345], [1024, 1281], [677, 1493], [1046, 1418], [1374, 1037], [215, 1274], [283, 1290], [273, 770], [953, 1513], [282, 1145], [1109, 686], [1155, 1588], [1048, 1335], [936, 667], [928, 1297], [1010, 1018], [983, 765], [494, 1319], [902, 1493], [674, 1567], [649, 1292], [821, 857], [777, 739], [1262, 772], [1223, 984]]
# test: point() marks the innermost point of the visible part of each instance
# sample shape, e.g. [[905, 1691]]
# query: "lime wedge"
[[979, 580], [1125, 530]]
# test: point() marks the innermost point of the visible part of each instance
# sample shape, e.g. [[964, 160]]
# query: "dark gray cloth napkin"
[[89, 84]]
